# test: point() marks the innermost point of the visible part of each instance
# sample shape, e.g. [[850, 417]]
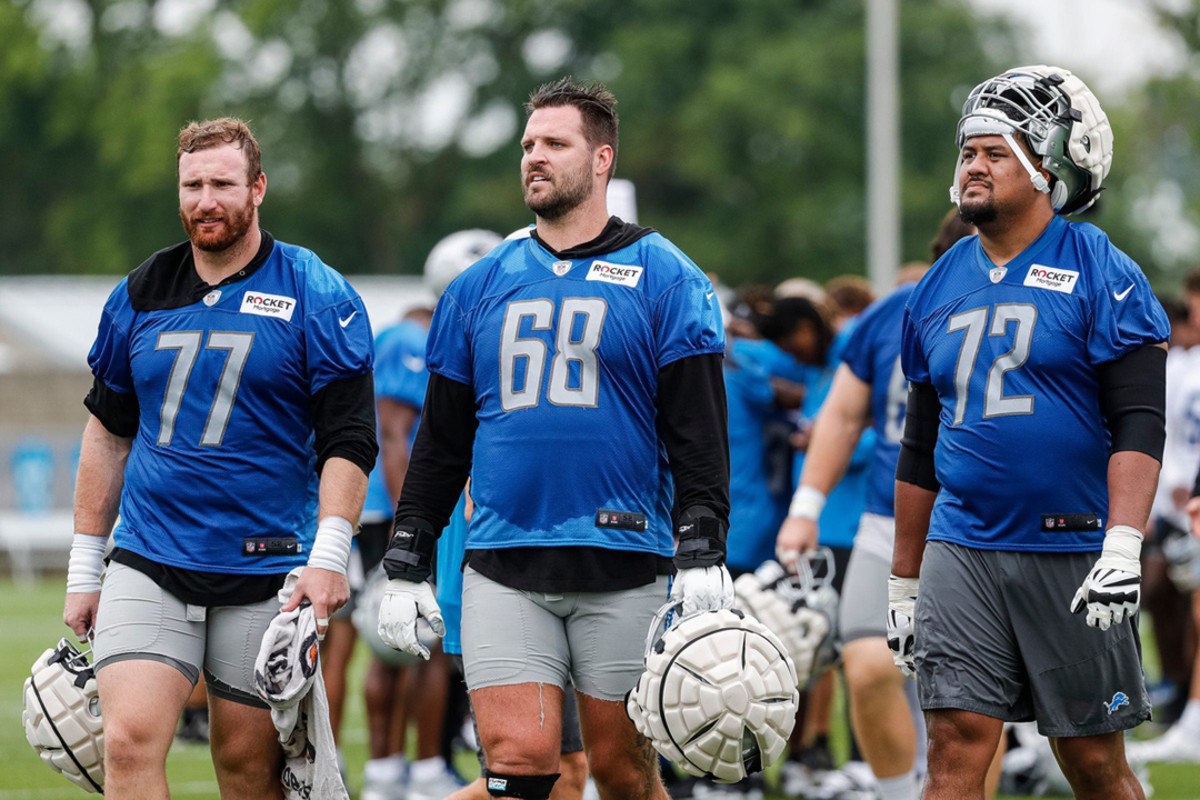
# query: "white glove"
[[1112, 591], [403, 602], [703, 589], [901, 620]]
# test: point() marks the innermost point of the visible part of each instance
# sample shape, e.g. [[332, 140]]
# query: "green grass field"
[[30, 619]]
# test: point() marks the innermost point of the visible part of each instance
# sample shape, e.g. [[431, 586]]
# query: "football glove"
[[404, 601], [901, 620], [1112, 591], [703, 589]]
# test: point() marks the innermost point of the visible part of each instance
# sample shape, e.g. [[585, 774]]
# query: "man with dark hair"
[[232, 428], [950, 231], [1031, 448], [1191, 296], [576, 374]]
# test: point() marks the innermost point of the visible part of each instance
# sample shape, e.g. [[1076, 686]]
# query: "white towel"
[[287, 674]]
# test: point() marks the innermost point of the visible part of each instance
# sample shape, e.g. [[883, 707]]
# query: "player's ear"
[[603, 160], [258, 189]]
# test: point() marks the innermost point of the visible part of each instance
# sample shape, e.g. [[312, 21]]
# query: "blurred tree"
[[748, 145], [387, 124], [1152, 206]]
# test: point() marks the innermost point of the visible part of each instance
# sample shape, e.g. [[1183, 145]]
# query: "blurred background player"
[[396, 695], [1035, 338], [810, 768], [1176, 615], [868, 390], [232, 428], [1169, 605], [764, 393]]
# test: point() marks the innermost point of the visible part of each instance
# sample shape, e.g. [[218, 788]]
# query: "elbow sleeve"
[[919, 440], [1133, 401]]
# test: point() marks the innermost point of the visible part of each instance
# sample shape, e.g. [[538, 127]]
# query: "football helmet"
[[718, 696], [455, 253], [800, 609], [1182, 551], [365, 617], [62, 717], [1061, 120]]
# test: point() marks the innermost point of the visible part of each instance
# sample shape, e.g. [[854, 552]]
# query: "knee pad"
[[526, 787]]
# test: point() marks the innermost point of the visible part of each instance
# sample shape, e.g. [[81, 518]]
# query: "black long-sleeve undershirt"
[[693, 425]]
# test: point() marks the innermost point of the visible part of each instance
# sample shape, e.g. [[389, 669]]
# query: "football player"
[[576, 374], [232, 428], [1181, 457], [1032, 440], [868, 390]]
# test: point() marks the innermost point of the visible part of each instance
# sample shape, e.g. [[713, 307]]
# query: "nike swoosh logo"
[[709, 295], [346, 321], [1122, 295]]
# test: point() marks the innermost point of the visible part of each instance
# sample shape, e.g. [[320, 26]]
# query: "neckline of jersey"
[[617, 235], [1052, 232]]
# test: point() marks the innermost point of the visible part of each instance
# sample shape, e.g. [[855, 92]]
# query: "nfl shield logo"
[[603, 518], [212, 297], [997, 274], [561, 268]]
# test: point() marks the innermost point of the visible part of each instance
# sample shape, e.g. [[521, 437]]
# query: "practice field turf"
[[30, 620]]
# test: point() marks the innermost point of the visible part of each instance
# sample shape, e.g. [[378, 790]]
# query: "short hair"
[[786, 314], [950, 231], [850, 294], [752, 301], [596, 105], [1191, 284], [212, 133], [801, 287], [911, 272], [1176, 309]]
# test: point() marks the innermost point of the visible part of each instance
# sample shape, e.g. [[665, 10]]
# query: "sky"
[[1110, 44]]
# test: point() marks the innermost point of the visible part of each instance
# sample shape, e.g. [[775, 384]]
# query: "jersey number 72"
[[973, 323]]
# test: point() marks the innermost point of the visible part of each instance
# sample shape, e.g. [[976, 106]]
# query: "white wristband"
[[1122, 549], [85, 563], [807, 503], [331, 548]]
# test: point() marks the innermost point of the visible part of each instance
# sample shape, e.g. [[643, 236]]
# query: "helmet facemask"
[[1060, 119]]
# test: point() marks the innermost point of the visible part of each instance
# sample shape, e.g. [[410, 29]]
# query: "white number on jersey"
[[188, 344], [897, 401], [585, 312], [973, 322]]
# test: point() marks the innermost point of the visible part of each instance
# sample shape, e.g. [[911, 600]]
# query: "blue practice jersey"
[[400, 375], [563, 356], [775, 362], [224, 446], [873, 355], [1014, 353], [760, 457], [838, 523], [452, 546]]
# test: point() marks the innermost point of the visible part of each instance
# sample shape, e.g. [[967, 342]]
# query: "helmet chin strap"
[[1037, 178]]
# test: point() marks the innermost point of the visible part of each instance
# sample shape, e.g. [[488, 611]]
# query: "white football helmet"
[[800, 609], [1182, 551], [718, 697], [62, 716], [1061, 120], [365, 617], [455, 253]]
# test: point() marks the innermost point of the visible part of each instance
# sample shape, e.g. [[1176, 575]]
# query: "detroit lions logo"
[[1119, 699]]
